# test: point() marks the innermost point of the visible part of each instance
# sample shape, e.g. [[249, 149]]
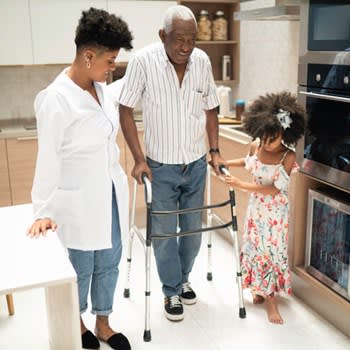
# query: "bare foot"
[[272, 310], [103, 330], [258, 299]]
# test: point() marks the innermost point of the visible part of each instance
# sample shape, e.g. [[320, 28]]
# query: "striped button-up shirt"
[[173, 115]]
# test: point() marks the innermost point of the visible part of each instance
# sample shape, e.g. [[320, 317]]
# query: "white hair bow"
[[284, 118]]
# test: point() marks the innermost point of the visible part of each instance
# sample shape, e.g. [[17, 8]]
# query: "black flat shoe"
[[89, 340], [118, 341]]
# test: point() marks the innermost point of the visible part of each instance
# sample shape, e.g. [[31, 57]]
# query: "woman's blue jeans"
[[100, 269], [177, 187]]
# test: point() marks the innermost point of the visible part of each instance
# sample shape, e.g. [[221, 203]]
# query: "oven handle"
[[326, 97]]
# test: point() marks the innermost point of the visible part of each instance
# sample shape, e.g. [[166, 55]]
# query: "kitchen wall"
[[268, 55], [19, 86], [268, 63]]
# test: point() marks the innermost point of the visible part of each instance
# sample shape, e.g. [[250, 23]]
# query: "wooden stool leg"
[[10, 305]]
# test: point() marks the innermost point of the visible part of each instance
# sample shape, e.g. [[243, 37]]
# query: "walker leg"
[[209, 268], [130, 243], [242, 311], [128, 264], [209, 223], [147, 333]]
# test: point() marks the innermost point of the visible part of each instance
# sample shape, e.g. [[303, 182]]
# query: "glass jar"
[[204, 26], [219, 26]]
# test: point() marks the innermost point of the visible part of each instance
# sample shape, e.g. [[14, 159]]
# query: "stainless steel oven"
[[325, 150]]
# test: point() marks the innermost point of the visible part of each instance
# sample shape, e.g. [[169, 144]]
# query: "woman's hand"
[[40, 227]]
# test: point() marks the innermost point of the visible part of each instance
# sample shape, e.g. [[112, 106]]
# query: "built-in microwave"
[[327, 255], [324, 29]]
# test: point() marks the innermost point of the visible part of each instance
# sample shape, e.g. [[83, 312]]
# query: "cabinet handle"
[[27, 138]]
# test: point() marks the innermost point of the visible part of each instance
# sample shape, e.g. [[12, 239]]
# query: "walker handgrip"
[[223, 169], [148, 187], [144, 177]]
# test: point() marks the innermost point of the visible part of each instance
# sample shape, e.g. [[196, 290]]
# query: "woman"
[[79, 186]]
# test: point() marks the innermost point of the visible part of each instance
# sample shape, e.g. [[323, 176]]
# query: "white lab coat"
[[78, 160]]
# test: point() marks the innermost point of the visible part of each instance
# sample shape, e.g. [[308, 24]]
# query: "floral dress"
[[264, 256]]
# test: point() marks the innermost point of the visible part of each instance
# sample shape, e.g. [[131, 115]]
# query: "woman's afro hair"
[[260, 119], [98, 28]]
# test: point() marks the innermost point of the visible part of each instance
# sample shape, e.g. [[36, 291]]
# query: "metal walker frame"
[[231, 226]]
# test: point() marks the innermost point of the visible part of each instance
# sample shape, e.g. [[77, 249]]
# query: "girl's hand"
[[232, 180], [40, 227]]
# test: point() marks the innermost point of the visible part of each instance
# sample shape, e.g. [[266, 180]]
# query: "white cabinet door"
[[15, 37], [53, 28], [144, 19]]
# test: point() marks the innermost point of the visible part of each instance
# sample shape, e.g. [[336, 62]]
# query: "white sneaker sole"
[[188, 301], [171, 317]]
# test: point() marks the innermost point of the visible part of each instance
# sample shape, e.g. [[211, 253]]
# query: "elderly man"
[[176, 85]]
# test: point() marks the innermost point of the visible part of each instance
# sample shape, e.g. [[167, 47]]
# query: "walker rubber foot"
[[147, 336], [209, 276], [242, 313], [126, 293]]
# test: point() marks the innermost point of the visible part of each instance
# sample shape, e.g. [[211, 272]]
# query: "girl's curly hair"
[[260, 119], [98, 28]]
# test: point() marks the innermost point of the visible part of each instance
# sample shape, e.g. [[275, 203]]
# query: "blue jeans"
[[177, 187], [100, 268]]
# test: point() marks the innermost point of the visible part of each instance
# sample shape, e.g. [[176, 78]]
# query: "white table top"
[[27, 263]]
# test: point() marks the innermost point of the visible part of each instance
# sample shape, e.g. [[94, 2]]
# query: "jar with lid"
[[204, 26], [219, 26]]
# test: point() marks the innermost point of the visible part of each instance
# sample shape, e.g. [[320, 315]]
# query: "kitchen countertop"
[[234, 132], [18, 128], [26, 128]]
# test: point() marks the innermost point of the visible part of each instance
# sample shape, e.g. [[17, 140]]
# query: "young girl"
[[275, 122]]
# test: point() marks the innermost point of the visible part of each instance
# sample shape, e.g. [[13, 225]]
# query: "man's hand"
[[215, 161], [139, 169]]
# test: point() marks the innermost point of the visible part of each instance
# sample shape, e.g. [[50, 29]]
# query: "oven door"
[[325, 150], [329, 25]]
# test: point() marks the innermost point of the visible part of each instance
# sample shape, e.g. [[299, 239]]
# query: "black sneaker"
[[173, 308], [188, 296]]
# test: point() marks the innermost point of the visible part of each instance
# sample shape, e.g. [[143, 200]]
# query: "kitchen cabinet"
[[53, 25], [17, 167], [217, 49], [144, 19], [5, 191], [15, 38], [21, 155]]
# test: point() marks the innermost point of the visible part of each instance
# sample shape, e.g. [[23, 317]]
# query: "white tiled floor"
[[211, 324]]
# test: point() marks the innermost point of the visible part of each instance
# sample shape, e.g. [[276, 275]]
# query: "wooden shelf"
[[216, 49]]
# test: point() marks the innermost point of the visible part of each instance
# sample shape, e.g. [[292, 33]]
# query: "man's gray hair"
[[179, 12]]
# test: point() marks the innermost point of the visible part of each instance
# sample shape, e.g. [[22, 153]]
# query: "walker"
[[231, 226]]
